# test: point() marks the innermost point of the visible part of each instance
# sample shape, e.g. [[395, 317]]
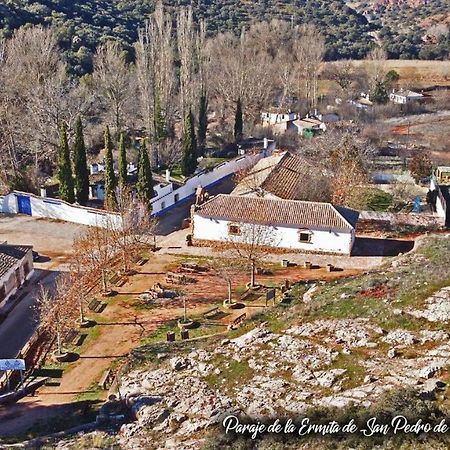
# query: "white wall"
[[166, 197], [441, 206], [325, 241], [51, 208]]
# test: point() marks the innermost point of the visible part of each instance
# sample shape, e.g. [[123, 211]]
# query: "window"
[[304, 236], [234, 230]]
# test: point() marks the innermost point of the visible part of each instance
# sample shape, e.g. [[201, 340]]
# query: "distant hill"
[[81, 24], [410, 29]]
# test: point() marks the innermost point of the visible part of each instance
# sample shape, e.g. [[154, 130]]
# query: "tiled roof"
[[10, 255], [278, 212], [280, 175]]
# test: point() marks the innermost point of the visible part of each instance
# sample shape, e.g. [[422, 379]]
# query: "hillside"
[[410, 29], [80, 25], [371, 345]]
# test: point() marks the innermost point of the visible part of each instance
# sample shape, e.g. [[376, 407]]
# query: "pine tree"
[[202, 123], [122, 161], [65, 178], [189, 160], [238, 121], [80, 165], [110, 176], [144, 184]]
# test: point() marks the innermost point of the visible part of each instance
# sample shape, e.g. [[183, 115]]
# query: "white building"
[[16, 266], [402, 97], [278, 117], [440, 188], [285, 224], [280, 122]]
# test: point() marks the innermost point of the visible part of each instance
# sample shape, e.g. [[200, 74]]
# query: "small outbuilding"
[[16, 266]]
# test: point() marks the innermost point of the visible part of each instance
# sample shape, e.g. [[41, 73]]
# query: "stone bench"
[[105, 379], [211, 312]]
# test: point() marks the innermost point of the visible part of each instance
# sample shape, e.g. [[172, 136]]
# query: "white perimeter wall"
[[166, 196], [50, 208], [326, 241]]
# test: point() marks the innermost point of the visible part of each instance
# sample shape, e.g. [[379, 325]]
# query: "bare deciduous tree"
[[251, 244], [309, 50], [226, 269], [155, 73], [58, 311], [137, 230], [112, 78]]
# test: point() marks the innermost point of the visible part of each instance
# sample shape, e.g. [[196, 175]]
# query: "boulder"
[[178, 363]]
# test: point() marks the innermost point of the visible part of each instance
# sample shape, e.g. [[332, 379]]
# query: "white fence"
[[18, 202], [168, 197]]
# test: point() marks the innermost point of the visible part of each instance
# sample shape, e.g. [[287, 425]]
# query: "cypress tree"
[[122, 161], [110, 176], [65, 177], [202, 123], [144, 184], [238, 121], [189, 160], [80, 165], [379, 94]]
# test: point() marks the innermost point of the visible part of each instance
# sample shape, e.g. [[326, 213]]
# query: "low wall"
[[168, 200], [370, 221], [50, 208]]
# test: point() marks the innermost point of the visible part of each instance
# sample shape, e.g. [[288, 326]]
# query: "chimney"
[[168, 175], [43, 192], [266, 143]]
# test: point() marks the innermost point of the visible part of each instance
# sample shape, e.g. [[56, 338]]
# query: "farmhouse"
[[280, 122], [402, 97], [285, 224], [16, 266]]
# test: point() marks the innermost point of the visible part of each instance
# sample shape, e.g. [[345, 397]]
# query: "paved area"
[[369, 253], [49, 237], [53, 240]]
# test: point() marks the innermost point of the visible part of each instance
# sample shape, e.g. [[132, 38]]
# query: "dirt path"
[[122, 326]]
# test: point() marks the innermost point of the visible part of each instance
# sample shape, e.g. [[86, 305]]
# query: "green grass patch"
[[370, 199], [355, 372], [234, 372]]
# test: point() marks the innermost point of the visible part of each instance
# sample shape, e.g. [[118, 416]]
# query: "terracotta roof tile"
[[278, 212], [280, 175], [10, 255]]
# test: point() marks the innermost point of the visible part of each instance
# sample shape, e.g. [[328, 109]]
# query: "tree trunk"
[[253, 274], [104, 281], [58, 342], [81, 312], [229, 291]]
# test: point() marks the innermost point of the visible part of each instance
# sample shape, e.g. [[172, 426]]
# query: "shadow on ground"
[[365, 246], [30, 419]]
